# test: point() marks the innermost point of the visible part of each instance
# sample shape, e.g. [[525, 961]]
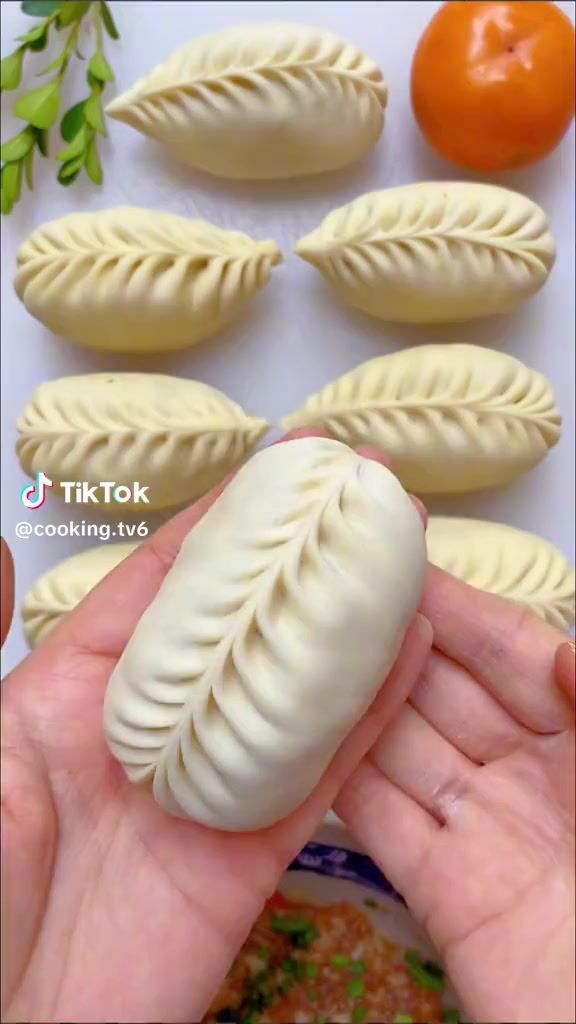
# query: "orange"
[[493, 83]]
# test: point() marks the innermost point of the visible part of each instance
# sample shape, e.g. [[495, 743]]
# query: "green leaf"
[[54, 65], [92, 163], [94, 114], [11, 69], [29, 168], [70, 171], [41, 106], [15, 149], [76, 148], [42, 141], [72, 10], [109, 23], [40, 43], [100, 69], [11, 186], [39, 8], [38, 34], [73, 121]]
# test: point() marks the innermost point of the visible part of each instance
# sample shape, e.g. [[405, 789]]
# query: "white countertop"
[[289, 342]]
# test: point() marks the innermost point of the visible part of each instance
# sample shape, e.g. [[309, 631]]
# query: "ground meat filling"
[[307, 964]]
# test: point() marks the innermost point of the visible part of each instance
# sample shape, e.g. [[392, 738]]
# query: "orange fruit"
[[493, 83]]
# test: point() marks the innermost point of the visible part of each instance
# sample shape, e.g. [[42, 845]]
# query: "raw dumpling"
[[261, 101], [232, 696], [512, 563], [132, 280], [177, 437], [453, 418], [58, 591], [435, 252]]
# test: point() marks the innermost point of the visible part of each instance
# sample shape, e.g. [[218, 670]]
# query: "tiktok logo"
[[34, 495]]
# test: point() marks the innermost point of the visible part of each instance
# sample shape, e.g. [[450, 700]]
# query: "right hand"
[[467, 804]]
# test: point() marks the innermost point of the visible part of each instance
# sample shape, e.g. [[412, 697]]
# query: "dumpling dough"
[[232, 696], [261, 101], [177, 437], [58, 591], [132, 280], [434, 252], [505, 561], [453, 418]]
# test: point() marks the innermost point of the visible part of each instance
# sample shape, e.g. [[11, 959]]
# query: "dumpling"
[[453, 418], [261, 101], [58, 591], [434, 252], [175, 437], [505, 561], [133, 280], [232, 697]]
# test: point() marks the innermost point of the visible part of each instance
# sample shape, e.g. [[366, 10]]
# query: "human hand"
[[114, 911], [467, 803]]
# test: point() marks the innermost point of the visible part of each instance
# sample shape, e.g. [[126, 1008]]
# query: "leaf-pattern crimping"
[[453, 418], [177, 437], [270, 637], [261, 101], [135, 280], [503, 560], [434, 252]]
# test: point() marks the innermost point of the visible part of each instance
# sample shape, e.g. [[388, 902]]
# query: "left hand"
[[114, 911]]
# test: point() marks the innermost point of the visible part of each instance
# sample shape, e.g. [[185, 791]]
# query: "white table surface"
[[293, 338]]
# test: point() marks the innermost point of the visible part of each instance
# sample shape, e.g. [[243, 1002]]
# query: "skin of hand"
[[112, 910], [7, 591], [466, 802]]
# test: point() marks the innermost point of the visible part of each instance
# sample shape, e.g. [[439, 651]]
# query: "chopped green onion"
[[264, 953], [358, 966], [291, 925], [428, 973], [403, 1018], [451, 1017], [371, 903], [340, 960], [355, 988], [311, 970], [286, 986], [359, 1014], [312, 995]]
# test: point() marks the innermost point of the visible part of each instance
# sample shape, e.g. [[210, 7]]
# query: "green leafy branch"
[[40, 108]]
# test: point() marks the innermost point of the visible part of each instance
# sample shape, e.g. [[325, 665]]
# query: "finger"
[[565, 667], [421, 763], [369, 451], [393, 829], [465, 713], [7, 590], [509, 650]]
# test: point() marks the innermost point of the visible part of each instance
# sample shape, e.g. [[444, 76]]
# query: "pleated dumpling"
[[261, 101], [270, 636], [58, 591], [134, 280], [453, 418], [175, 437], [505, 561], [434, 252]]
